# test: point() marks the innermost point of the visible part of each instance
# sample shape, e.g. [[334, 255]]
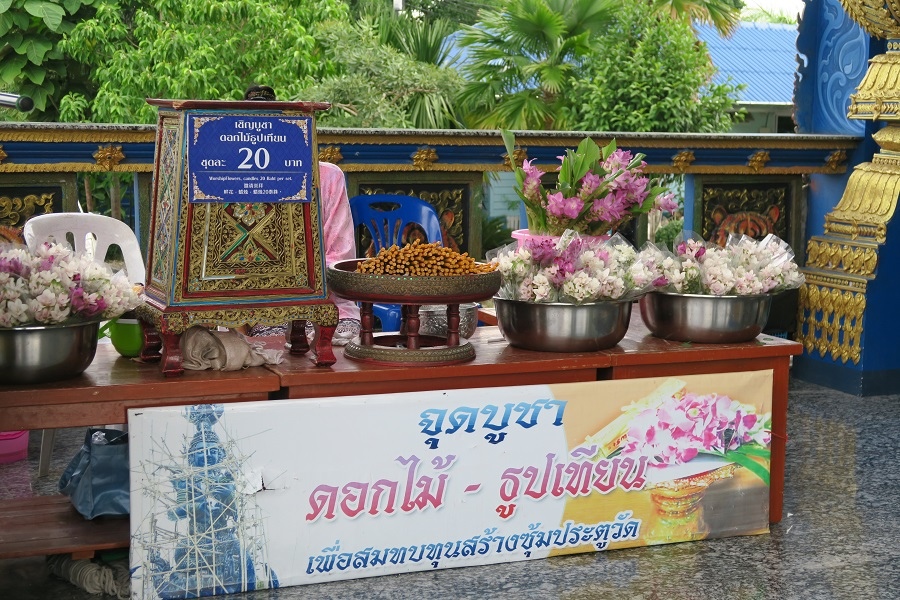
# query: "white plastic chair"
[[89, 233], [93, 235]]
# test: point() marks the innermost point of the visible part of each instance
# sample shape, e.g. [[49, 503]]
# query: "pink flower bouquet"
[[572, 270], [54, 286], [744, 266], [596, 191]]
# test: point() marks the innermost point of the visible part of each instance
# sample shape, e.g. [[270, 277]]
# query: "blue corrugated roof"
[[760, 55]]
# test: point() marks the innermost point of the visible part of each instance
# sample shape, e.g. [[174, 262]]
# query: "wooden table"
[[112, 384], [101, 395]]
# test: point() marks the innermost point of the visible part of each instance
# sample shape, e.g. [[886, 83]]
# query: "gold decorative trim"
[[108, 157], [852, 283], [683, 160], [831, 321], [424, 158], [94, 136], [331, 154], [857, 258], [3, 154], [856, 230], [758, 160], [82, 167], [177, 322]]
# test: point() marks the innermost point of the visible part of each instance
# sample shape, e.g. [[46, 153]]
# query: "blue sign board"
[[250, 158]]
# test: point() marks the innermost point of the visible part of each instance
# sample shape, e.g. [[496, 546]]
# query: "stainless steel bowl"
[[705, 319], [47, 352], [562, 327], [433, 319]]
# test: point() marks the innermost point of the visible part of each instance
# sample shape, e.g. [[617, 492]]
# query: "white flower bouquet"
[[573, 270], [53, 285], [744, 266]]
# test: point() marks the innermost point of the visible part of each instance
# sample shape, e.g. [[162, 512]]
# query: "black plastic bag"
[[97, 478]]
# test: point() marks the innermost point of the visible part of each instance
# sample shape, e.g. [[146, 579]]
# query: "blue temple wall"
[[833, 56]]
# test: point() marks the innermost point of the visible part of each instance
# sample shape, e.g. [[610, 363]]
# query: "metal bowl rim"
[[730, 296], [601, 303], [53, 325]]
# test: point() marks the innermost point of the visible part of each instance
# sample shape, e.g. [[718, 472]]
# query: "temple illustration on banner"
[[206, 536]]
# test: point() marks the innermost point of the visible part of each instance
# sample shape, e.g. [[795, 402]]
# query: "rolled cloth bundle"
[[202, 348]]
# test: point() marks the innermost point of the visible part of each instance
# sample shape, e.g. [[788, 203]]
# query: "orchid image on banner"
[[683, 426]]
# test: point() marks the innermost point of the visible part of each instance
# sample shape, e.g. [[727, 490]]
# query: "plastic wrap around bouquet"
[[52, 301], [707, 293], [573, 294]]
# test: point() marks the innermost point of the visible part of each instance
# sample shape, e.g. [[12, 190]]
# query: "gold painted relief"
[[835, 162], [331, 154], [683, 160], [3, 154], [424, 158], [878, 17], [831, 320], [243, 247], [14, 210], [868, 202], [758, 160], [108, 157], [520, 155]]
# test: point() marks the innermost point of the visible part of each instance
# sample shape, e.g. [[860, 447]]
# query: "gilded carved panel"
[[18, 204]]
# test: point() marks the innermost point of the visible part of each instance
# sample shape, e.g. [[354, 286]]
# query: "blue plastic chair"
[[387, 217]]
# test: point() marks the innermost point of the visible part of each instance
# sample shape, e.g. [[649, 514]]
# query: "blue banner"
[[250, 158]]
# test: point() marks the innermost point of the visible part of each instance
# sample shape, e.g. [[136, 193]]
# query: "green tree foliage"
[[721, 14], [192, 49], [649, 73], [31, 62], [389, 75], [456, 11], [522, 59]]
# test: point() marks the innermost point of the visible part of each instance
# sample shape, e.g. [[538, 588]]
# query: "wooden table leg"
[[453, 325]]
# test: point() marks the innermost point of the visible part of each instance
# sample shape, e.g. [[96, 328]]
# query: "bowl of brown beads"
[[417, 273]]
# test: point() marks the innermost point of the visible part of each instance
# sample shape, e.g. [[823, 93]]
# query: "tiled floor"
[[838, 539]]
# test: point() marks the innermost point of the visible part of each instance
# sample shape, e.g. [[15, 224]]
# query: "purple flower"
[[610, 208], [589, 184], [14, 266], [542, 252], [560, 207], [666, 202], [531, 187], [619, 159], [86, 306]]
